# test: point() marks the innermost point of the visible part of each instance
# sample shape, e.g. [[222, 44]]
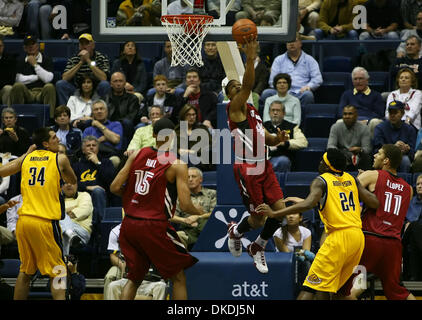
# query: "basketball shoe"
[[234, 243], [258, 255]]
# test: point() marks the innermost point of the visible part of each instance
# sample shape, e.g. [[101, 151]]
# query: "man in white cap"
[[87, 60]]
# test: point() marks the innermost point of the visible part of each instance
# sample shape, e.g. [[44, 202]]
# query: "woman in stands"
[[80, 104], [294, 237], [187, 132], [131, 64], [407, 93], [282, 83]]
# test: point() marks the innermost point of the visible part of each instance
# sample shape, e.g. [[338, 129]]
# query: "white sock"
[[261, 242]]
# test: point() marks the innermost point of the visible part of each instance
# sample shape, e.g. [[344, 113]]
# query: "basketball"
[[242, 28]]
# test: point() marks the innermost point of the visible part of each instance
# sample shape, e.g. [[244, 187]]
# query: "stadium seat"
[[379, 81], [337, 64], [408, 177], [308, 159], [9, 268], [297, 183], [333, 86], [318, 119], [209, 179]]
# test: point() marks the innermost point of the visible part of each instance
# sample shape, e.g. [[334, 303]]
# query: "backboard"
[[107, 22]]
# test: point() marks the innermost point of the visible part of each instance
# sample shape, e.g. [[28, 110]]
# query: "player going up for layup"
[[253, 172], [337, 195]]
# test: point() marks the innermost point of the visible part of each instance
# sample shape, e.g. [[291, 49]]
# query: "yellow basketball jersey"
[[340, 207], [41, 186]]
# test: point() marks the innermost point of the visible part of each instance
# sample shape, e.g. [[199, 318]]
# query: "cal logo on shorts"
[[313, 278]]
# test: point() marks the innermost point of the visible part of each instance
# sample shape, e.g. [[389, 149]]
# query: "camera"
[[71, 258]]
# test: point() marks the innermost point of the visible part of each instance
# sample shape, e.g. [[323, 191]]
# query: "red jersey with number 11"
[[393, 193], [148, 194]]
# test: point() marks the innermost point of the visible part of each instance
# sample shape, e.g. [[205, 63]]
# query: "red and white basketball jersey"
[[148, 194], [393, 194], [249, 136]]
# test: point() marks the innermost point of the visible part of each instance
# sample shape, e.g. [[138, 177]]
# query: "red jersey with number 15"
[[393, 194], [148, 194]]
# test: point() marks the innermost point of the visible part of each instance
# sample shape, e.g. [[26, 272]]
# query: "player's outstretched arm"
[[15, 166], [181, 170], [315, 194], [117, 186], [66, 170], [237, 104]]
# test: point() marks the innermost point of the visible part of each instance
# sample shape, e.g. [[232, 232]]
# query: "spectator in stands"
[[282, 154], [282, 83], [13, 138], [397, 132], [175, 75], [7, 235], [412, 245], [139, 13], [212, 72], [80, 104], [88, 60], [118, 263], [353, 139], [77, 223], [132, 66], [368, 102], [39, 15], [153, 286], [204, 101], [382, 20], [122, 106], [10, 15], [143, 136], [34, 76], [259, 10], [179, 7], [308, 17], [302, 68], [294, 237], [8, 74], [79, 18], [407, 93], [214, 10], [169, 102], [94, 174], [417, 163], [262, 73], [408, 8], [191, 225], [69, 136], [336, 20], [109, 133], [401, 49], [188, 125], [411, 60]]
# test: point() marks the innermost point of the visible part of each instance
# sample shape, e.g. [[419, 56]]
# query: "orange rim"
[[192, 18]]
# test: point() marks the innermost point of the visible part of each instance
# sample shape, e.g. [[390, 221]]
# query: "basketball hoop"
[[186, 33]]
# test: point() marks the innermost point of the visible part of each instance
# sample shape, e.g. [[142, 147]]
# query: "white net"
[[186, 34]]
